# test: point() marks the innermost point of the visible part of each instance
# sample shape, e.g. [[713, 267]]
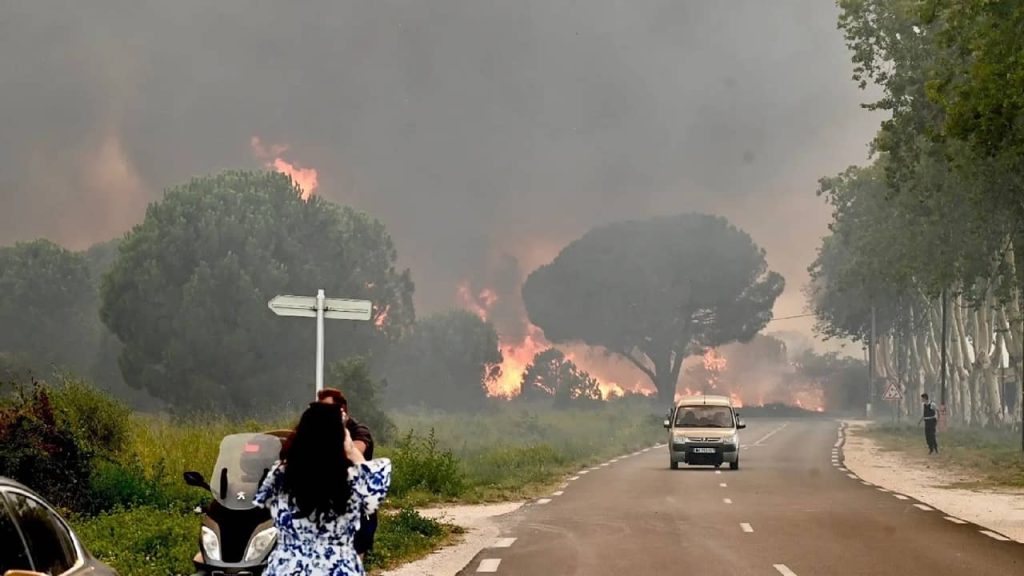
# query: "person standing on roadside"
[[362, 438], [930, 417], [317, 494]]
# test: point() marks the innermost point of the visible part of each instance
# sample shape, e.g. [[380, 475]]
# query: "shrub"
[[421, 466], [403, 537], [99, 422], [118, 485], [41, 450]]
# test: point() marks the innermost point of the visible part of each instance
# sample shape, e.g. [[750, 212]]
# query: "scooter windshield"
[[242, 465]]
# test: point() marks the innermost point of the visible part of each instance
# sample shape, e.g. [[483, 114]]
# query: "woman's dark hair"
[[315, 465]]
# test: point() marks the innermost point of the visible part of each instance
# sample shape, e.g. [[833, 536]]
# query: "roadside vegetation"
[[993, 456], [118, 475]]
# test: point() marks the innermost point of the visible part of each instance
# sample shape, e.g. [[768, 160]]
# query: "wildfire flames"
[[305, 178], [517, 355]]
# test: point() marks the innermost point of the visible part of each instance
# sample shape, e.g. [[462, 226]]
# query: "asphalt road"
[[790, 509]]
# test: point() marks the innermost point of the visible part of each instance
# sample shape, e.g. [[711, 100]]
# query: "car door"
[[13, 554], [51, 546]]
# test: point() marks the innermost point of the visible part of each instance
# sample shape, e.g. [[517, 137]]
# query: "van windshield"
[[704, 417]]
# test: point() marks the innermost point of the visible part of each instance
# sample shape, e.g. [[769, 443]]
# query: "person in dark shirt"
[[363, 440], [930, 417]]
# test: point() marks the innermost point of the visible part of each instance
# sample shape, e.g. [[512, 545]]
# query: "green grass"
[[993, 456], [148, 541], [521, 449]]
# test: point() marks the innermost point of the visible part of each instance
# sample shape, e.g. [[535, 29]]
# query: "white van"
[[704, 430]]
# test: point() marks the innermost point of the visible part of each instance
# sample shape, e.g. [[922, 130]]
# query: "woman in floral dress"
[[317, 496]]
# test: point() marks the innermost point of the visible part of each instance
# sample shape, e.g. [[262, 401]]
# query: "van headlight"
[[680, 439], [260, 544], [734, 439], [211, 544]]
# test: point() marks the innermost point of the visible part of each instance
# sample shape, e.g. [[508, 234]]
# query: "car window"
[[704, 417], [49, 542], [12, 549]]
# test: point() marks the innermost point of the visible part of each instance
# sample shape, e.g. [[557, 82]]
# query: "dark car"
[[34, 539]]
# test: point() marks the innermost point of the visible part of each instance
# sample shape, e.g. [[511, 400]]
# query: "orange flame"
[[307, 179]]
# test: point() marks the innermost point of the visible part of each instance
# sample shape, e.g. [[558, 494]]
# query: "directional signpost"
[[320, 307]]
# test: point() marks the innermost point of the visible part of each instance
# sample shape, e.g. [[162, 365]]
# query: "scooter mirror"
[[196, 479]]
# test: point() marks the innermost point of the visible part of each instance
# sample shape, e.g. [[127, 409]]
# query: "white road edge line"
[[854, 476], [782, 569], [746, 527], [559, 493], [503, 543], [923, 507], [901, 497], [995, 536], [955, 520], [582, 472], [574, 478], [489, 565]]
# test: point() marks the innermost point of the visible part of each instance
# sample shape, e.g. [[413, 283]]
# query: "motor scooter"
[[236, 537]]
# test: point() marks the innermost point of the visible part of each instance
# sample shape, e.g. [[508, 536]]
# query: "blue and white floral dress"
[[325, 547]]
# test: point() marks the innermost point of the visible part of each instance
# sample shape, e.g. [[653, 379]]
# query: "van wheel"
[[734, 465], [673, 465]]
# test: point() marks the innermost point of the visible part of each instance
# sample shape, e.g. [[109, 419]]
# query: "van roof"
[[704, 400]]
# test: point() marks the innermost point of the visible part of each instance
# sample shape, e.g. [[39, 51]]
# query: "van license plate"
[[704, 450]]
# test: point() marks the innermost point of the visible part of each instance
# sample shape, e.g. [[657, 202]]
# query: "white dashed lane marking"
[[559, 493], [489, 565], [543, 500], [724, 485], [995, 536], [727, 500], [503, 543], [782, 569], [583, 472], [746, 527], [769, 435]]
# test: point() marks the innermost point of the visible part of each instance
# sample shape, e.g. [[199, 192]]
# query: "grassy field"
[[507, 452], [994, 456]]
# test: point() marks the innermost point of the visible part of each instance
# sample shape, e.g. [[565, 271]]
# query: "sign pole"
[[321, 308], [319, 340]]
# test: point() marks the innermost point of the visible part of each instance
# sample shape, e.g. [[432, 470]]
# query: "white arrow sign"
[[337, 308], [320, 307]]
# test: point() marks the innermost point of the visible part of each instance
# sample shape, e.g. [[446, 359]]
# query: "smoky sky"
[[474, 130]]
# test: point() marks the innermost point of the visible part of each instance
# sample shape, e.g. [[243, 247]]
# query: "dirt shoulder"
[[481, 530], [998, 509]]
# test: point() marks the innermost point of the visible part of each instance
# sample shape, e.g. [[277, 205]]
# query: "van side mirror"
[[195, 479], [740, 424], [667, 424]]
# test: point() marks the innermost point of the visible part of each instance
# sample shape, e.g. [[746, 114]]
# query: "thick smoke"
[[472, 129]]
